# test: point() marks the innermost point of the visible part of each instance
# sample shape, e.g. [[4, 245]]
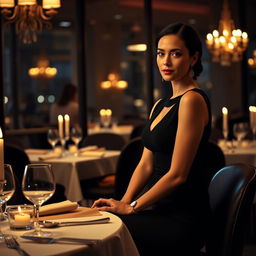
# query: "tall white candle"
[[251, 110], [60, 125], [225, 121], [1, 155], [67, 124], [254, 117]]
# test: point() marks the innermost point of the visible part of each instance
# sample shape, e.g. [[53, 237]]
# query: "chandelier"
[[42, 70], [226, 44], [113, 82], [252, 61], [29, 17]]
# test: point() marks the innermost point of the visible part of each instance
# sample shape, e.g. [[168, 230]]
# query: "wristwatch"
[[133, 204]]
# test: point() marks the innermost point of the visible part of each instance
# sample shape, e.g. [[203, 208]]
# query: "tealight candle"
[[21, 219], [20, 216]]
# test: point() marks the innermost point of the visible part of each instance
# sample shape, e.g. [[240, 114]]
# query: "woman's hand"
[[112, 205]]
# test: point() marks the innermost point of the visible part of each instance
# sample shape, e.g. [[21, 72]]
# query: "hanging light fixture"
[[226, 44], [252, 61], [29, 17], [113, 82], [43, 70]]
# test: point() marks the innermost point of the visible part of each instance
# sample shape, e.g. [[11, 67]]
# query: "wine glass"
[[76, 135], [7, 187], [106, 121], [240, 130], [38, 185], [53, 137]]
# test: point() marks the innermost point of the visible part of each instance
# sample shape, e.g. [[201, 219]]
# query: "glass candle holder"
[[21, 216]]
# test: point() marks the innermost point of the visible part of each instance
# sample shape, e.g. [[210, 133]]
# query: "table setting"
[[71, 164], [63, 228]]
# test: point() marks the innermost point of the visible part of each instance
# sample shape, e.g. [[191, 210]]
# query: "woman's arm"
[[193, 117]]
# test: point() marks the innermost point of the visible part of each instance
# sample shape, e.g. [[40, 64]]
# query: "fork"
[[12, 243]]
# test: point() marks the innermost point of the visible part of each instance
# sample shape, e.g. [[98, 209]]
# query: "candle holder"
[[63, 145], [21, 216]]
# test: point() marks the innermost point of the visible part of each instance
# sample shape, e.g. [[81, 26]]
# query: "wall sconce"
[[113, 82], [42, 70], [252, 61], [29, 16]]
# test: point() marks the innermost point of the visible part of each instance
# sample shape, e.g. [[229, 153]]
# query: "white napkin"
[[32, 151], [88, 148], [65, 206], [50, 156], [92, 153]]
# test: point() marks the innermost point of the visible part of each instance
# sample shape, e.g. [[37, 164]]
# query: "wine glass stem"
[[37, 225], [1, 212]]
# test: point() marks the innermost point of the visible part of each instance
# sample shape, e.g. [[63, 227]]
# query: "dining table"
[[70, 169], [239, 152], [243, 152], [112, 239]]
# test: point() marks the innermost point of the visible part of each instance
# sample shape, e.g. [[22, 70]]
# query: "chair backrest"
[[18, 159], [213, 158], [231, 194], [110, 141], [127, 162]]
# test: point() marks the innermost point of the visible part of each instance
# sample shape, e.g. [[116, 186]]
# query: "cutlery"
[[50, 240], [53, 224], [12, 243]]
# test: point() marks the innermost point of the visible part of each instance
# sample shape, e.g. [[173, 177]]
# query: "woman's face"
[[173, 58]]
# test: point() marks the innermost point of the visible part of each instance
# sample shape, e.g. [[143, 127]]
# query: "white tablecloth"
[[69, 170], [115, 240], [240, 155]]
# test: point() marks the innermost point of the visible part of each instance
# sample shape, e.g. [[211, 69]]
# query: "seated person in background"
[[170, 216], [67, 104]]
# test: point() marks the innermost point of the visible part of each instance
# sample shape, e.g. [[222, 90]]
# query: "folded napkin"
[[50, 156], [88, 148], [78, 213], [65, 206], [31, 151], [91, 148], [92, 153]]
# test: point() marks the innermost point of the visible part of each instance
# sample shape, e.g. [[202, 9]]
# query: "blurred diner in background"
[[76, 93]]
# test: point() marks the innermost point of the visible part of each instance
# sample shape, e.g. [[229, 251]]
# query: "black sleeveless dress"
[[176, 223]]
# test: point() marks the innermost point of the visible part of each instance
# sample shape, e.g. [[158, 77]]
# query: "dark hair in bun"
[[191, 40]]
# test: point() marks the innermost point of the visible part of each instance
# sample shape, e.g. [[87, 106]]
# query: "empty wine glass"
[[240, 130], [53, 137], [7, 187], [76, 135], [38, 185]]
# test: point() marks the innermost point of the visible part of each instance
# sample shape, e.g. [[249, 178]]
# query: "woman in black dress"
[[169, 216]]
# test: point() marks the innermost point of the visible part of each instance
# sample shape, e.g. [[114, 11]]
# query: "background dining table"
[[70, 169], [113, 238], [245, 153]]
